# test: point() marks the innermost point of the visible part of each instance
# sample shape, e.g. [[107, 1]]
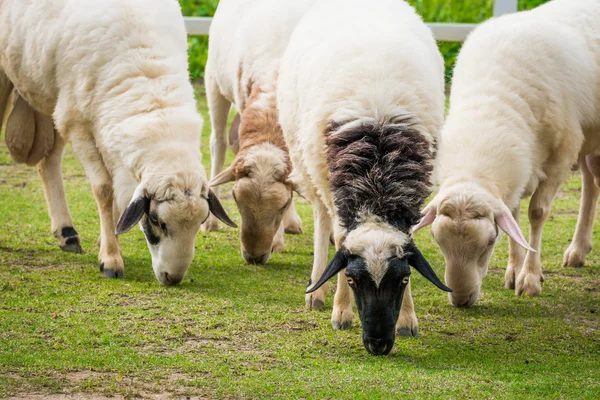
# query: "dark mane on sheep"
[[380, 168]]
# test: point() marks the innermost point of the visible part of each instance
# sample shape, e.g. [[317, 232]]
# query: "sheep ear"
[[139, 205], [418, 262], [507, 223], [215, 207], [427, 217], [338, 263], [223, 177]]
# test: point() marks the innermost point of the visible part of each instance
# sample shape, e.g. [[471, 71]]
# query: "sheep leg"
[[316, 299], [111, 262], [291, 221], [278, 241], [50, 170], [516, 256], [218, 107], [530, 279], [408, 324], [342, 315], [581, 244]]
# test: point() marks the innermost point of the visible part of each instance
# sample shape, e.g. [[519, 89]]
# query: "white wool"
[[123, 80], [382, 64], [247, 38], [524, 86]]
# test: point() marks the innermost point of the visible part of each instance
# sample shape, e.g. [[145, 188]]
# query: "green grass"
[[233, 330]]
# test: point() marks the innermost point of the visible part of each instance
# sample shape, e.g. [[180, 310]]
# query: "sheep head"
[[263, 194], [377, 259], [465, 220], [170, 210]]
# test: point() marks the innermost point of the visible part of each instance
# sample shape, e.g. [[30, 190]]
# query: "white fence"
[[442, 32]]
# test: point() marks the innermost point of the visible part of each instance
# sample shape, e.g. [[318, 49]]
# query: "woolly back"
[[379, 168]]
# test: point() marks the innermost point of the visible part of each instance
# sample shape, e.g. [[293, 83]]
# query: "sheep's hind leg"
[[581, 244], [218, 107], [408, 324], [111, 262], [6, 88], [516, 256], [50, 170], [316, 299]]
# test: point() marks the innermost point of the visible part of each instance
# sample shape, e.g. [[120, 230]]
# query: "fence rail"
[[443, 32]]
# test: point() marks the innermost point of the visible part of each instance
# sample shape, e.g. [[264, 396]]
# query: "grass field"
[[233, 330]]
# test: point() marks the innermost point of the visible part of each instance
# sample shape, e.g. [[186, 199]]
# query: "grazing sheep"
[[128, 110], [361, 101], [524, 108], [247, 38]]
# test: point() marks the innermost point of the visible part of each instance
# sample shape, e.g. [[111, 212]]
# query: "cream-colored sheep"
[[247, 38], [524, 108], [113, 75], [361, 101]]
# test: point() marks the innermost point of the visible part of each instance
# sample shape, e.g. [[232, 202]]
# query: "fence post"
[[505, 7]]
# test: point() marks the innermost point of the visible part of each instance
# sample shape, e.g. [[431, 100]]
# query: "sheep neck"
[[379, 169]]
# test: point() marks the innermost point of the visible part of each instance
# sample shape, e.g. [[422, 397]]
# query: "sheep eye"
[[405, 280], [153, 219], [492, 241], [350, 281]]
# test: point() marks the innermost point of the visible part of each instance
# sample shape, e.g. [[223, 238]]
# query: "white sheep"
[[361, 101], [113, 75], [247, 38], [524, 108]]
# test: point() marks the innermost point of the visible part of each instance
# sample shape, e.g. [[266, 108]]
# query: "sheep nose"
[[260, 259], [170, 279], [466, 301], [378, 346]]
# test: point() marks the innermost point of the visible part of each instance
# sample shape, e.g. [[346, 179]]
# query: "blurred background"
[[458, 11]]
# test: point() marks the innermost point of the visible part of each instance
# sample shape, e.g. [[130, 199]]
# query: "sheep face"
[[262, 206], [466, 220], [170, 220], [263, 193], [377, 259], [467, 237]]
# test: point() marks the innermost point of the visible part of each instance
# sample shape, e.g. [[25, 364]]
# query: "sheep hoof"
[[529, 284], [509, 278], [341, 319], [211, 224], [69, 241], [408, 332], [574, 257], [72, 247], [277, 247], [315, 300], [293, 230], [112, 270]]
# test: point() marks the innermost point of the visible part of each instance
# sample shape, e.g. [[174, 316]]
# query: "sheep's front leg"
[[342, 315], [291, 221], [50, 170], [111, 262], [408, 324], [530, 279], [316, 299], [516, 256], [219, 111], [581, 244]]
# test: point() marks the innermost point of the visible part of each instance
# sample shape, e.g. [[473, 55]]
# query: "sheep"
[[246, 40], [361, 100], [524, 108], [129, 112]]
